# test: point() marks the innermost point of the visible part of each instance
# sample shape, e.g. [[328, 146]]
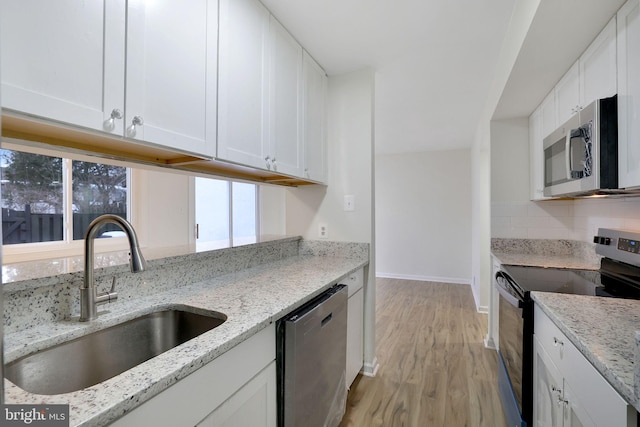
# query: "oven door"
[[511, 350]]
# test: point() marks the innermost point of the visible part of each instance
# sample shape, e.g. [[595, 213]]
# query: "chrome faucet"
[[89, 298]]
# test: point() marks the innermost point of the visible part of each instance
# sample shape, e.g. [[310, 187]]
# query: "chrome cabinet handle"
[[136, 121], [557, 342], [110, 123], [273, 162], [268, 162]]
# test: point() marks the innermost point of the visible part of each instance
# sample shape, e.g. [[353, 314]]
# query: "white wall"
[[523, 13], [272, 210], [423, 214], [510, 159], [350, 135], [163, 215], [351, 170]]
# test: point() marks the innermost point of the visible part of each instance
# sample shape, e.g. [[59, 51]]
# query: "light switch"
[[349, 203]]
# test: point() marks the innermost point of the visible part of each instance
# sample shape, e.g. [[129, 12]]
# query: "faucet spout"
[[89, 298]]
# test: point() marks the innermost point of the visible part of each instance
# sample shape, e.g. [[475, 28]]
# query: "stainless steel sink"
[[101, 355]]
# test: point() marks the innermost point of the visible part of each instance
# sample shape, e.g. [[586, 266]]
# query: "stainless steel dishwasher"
[[311, 359]]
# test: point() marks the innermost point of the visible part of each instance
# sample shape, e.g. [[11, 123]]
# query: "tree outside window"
[[34, 206]]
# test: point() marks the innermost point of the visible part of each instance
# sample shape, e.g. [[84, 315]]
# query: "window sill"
[[37, 269]]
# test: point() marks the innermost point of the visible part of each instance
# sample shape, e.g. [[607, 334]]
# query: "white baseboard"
[[479, 308], [490, 343], [418, 278], [371, 369]]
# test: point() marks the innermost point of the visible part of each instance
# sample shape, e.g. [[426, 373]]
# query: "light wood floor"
[[434, 368]]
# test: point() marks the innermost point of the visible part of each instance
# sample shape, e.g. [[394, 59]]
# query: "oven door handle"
[[510, 298]]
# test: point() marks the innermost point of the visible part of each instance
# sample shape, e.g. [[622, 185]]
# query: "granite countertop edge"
[[590, 330], [251, 299], [547, 261]]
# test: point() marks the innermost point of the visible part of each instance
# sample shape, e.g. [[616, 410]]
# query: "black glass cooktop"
[[569, 281]]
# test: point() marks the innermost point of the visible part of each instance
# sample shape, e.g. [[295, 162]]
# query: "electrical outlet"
[[323, 231]]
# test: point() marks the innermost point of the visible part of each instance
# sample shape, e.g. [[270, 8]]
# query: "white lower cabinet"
[[355, 325], [253, 405], [568, 391], [555, 404], [236, 389]]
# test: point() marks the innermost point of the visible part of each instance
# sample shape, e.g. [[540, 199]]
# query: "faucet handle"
[[105, 297]]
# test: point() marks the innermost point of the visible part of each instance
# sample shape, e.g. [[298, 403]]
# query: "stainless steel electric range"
[[618, 276]]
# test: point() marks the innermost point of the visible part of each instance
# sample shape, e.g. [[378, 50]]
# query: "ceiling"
[[434, 60], [559, 33]]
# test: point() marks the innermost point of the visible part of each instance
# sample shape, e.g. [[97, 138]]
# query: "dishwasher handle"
[[324, 304], [326, 320]]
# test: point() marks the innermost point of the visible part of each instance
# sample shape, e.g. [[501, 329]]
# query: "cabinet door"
[[548, 112], [628, 23], [536, 156], [64, 60], [285, 95], [355, 335], [575, 414], [568, 94], [547, 390], [598, 67], [171, 73], [314, 120], [243, 121], [253, 405]]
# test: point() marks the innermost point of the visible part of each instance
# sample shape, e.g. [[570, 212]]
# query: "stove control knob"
[[602, 240]]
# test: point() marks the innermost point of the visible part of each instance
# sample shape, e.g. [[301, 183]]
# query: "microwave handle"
[[567, 152]]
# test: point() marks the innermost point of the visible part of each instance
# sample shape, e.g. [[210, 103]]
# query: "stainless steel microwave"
[[581, 156]]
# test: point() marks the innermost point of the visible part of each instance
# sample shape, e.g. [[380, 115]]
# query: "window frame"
[[203, 246], [68, 246]]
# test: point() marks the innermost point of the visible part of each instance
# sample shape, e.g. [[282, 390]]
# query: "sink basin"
[[101, 355]]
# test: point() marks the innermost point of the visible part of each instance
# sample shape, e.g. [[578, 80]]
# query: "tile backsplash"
[[577, 219]]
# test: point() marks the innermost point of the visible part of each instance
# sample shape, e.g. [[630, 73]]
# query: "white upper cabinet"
[[271, 95], [285, 96], [592, 77], [598, 67], [171, 73], [548, 112], [70, 62], [314, 120], [65, 60], [243, 76], [628, 22], [567, 94]]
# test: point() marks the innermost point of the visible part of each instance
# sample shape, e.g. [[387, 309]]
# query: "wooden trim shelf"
[[33, 131]]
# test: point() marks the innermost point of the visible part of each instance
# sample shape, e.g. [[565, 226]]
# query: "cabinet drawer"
[[551, 338], [354, 281]]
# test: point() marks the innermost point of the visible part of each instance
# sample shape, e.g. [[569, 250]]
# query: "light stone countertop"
[[546, 253], [604, 330], [251, 298], [548, 261]]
